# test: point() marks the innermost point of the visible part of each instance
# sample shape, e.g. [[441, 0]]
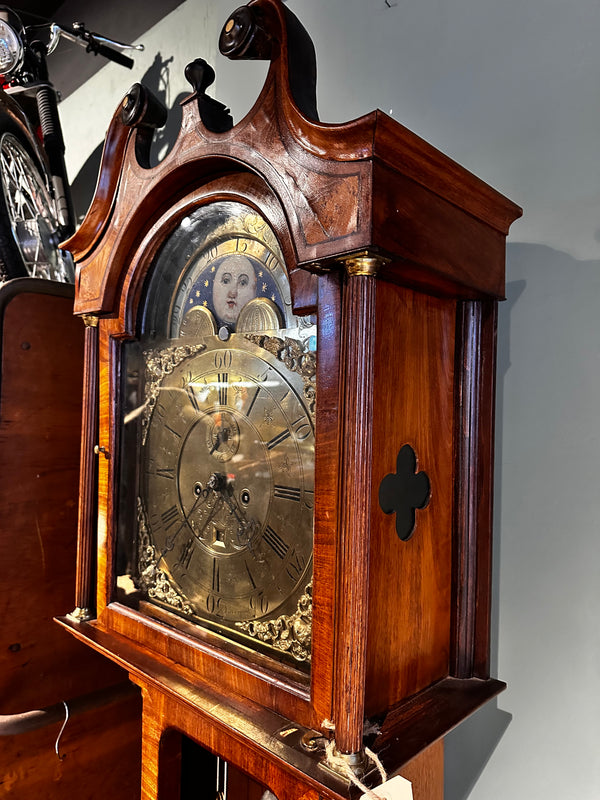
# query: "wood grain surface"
[[355, 464], [410, 581], [40, 432]]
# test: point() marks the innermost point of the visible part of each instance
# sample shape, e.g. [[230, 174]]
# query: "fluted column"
[[86, 528], [358, 358]]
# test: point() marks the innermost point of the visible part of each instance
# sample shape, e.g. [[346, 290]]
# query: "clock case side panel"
[[308, 292], [327, 470], [108, 439], [428, 650], [410, 579]]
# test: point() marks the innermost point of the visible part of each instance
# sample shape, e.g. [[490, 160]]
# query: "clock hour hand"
[[247, 528], [209, 518]]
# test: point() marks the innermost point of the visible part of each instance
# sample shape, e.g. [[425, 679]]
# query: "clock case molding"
[[400, 252]]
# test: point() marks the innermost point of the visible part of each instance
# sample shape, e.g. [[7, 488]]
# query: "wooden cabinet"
[[44, 674]]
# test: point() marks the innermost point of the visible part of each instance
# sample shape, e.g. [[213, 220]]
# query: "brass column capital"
[[365, 264]]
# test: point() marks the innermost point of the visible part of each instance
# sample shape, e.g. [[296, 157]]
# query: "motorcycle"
[[36, 210]]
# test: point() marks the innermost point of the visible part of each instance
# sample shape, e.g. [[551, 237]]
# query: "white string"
[[60, 733], [339, 763], [375, 759]]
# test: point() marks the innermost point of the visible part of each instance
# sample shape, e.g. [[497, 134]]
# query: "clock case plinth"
[[400, 253]]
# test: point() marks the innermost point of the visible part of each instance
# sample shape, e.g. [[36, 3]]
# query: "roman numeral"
[[287, 493], [169, 517], [275, 542], [192, 398], [215, 576], [223, 380], [166, 472], [251, 406], [187, 551], [281, 437]]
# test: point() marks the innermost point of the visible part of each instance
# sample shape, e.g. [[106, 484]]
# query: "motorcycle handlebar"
[[112, 55], [93, 42]]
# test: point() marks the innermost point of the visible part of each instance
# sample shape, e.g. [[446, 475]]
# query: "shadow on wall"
[[470, 746], [547, 508], [468, 749], [157, 80], [71, 66]]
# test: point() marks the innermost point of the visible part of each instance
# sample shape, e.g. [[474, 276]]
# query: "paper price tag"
[[397, 788]]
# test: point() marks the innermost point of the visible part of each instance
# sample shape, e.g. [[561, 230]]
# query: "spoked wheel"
[[29, 227]]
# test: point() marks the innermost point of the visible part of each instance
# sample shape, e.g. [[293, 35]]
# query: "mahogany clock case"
[[398, 254]]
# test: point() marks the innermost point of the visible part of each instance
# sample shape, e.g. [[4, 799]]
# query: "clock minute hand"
[[170, 544], [247, 528]]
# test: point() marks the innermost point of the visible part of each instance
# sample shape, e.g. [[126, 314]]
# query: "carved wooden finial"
[[268, 30], [246, 35], [140, 108], [214, 115]]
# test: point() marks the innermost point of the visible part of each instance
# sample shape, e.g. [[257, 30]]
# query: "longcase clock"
[[292, 350]]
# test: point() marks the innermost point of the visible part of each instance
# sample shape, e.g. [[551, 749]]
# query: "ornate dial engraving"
[[159, 364], [227, 493], [296, 358], [288, 634], [151, 577]]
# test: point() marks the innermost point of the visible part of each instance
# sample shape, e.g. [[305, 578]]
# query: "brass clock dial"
[[227, 482], [224, 438]]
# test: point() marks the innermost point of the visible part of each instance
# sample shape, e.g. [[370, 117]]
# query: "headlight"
[[11, 49]]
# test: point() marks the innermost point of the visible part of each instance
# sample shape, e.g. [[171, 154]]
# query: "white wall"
[[509, 90]]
